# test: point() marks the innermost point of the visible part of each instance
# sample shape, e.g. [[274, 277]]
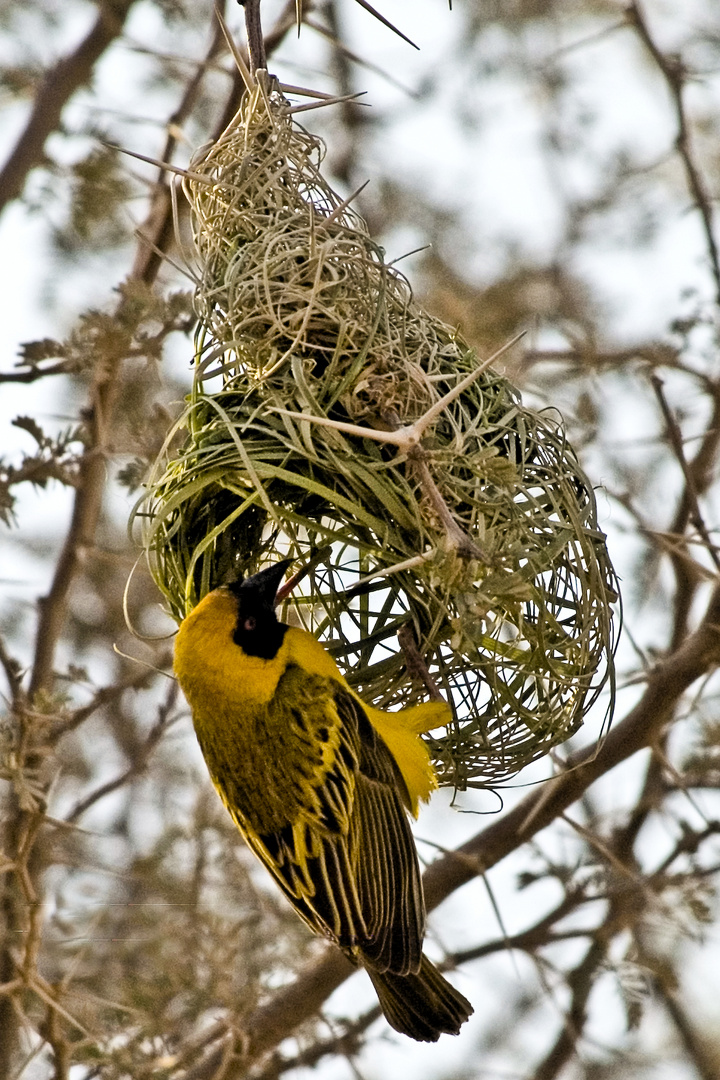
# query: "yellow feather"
[[399, 730]]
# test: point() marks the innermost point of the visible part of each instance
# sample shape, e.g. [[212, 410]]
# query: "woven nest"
[[481, 566]]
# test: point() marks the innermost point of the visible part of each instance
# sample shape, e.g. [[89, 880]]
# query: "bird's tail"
[[423, 1005]]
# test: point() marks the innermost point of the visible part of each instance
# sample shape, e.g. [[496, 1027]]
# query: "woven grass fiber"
[[480, 542]]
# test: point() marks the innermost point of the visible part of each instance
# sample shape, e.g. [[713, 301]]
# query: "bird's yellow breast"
[[227, 690]]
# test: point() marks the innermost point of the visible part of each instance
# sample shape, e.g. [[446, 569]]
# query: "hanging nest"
[[470, 559]]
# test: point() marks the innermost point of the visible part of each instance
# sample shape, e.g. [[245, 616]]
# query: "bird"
[[320, 784]]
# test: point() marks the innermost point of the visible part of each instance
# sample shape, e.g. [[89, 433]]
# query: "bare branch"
[[676, 441], [105, 695], [58, 86], [580, 982], [35, 373], [703, 1056], [666, 683], [155, 734], [253, 26], [675, 76]]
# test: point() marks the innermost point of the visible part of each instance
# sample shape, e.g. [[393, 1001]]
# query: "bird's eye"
[[249, 623]]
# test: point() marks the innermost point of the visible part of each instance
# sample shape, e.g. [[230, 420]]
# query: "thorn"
[[408, 564], [186, 173], [340, 425], [386, 22], [345, 203], [416, 430], [301, 91], [357, 59], [242, 67], [329, 101], [407, 439]]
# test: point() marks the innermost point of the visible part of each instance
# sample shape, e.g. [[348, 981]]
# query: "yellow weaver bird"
[[319, 784]]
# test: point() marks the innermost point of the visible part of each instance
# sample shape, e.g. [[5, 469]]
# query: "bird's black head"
[[257, 631]]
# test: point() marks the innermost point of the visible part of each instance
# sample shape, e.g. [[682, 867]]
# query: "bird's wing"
[[346, 857], [387, 874]]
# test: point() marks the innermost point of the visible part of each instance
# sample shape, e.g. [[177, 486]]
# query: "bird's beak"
[[266, 583]]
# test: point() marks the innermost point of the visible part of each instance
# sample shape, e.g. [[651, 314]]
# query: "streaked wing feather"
[[388, 875], [347, 860]]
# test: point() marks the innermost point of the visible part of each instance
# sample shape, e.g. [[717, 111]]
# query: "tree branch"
[[580, 982], [137, 766], [674, 74], [58, 86], [256, 43]]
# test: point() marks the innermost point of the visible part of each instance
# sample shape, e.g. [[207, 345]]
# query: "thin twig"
[[13, 674], [104, 696], [140, 761], [702, 1054], [580, 982], [675, 74], [676, 441], [157, 230], [416, 667], [65, 367], [701, 470], [56, 88]]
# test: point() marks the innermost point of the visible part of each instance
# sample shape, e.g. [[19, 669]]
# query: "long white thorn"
[[408, 564], [247, 76], [415, 431], [165, 165], [405, 438], [302, 91], [394, 437], [329, 101], [345, 203]]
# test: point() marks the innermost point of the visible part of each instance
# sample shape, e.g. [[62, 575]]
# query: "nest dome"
[[454, 540]]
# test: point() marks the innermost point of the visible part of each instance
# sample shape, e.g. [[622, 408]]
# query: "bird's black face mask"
[[257, 631]]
